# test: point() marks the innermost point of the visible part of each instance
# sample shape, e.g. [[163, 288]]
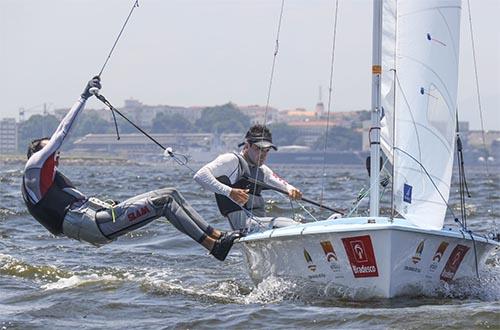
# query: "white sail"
[[419, 92]]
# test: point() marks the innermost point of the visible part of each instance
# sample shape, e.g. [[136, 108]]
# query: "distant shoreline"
[[99, 159], [71, 160]]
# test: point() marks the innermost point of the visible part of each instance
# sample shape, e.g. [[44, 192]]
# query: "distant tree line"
[[226, 118]]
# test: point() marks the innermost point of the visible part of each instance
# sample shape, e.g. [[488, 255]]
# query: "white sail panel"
[[419, 92]]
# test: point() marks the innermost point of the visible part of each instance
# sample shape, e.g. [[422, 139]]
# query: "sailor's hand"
[[295, 194], [240, 196], [93, 83]]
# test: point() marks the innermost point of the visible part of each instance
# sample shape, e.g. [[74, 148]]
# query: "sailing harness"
[[255, 204], [52, 208]]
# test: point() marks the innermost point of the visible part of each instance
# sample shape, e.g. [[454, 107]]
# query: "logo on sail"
[[454, 261], [418, 253], [330, 254], [310, 263], [359, 250], [407, 193]]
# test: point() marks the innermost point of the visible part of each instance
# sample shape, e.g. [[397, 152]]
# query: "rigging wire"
[[136, 5], [330, 90], [175, 156], [276, 49], [464, 224], [365, 192], [477, 88], [463, 188], [431, 180]]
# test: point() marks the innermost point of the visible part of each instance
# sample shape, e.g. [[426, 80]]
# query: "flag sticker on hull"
[[454, 261], [359, 250], [407, 193]]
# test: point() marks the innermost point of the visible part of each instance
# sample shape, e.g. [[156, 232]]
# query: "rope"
[[307, 211], [475, 251], [167, 150], [365, 192], [330, 90], [276, 49], [136, 4], [478, 91]]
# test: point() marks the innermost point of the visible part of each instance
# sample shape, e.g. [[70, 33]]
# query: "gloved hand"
[[94, 82]]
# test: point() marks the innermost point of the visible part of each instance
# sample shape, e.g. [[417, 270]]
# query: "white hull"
[[381, 259]]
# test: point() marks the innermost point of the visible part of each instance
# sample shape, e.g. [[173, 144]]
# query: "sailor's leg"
[[80, 224], [180, 210], [140, 210]]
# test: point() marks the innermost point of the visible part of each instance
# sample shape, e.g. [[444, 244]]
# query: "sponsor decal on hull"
[[330, 255], [359, 250], [454, 261], [415, 259], [418, 253], [438, 255], [310, 263]]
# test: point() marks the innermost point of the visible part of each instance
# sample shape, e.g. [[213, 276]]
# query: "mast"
[[375, 113]]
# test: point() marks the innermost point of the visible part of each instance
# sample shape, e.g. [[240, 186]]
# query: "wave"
[[11, 266], [83, 280]]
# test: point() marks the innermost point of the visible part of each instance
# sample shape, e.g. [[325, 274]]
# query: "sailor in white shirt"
[[237, 197]]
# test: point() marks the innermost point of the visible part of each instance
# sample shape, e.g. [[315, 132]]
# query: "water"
[[158, 278]]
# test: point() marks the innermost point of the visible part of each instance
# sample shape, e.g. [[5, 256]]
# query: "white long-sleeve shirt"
[[228, 165]]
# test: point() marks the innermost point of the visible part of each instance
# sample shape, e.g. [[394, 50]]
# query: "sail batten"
[[419, 91]]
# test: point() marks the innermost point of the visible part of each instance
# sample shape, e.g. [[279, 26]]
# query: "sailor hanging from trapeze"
[[55, 202]]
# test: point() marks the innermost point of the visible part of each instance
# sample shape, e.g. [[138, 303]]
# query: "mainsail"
[[419, 90]]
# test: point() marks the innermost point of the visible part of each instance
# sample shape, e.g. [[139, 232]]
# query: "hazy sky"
[[207, 52]]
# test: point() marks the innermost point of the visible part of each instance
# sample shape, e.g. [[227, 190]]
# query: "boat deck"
[[360, 224]]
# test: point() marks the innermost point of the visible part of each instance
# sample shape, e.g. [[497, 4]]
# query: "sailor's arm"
[[39, 159], [274, 180], [41, 166], [223, 165]]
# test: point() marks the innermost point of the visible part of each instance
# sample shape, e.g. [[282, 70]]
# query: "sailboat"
[[414, 108]]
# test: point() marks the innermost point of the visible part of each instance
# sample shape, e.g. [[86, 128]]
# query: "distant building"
[[475, 138], [297, 115], [311, 130], [320, 107], [143, 115], [257, 113], [8, 136], [137, 144]]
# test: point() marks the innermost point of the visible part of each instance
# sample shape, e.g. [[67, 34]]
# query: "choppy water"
[[157, 278]]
